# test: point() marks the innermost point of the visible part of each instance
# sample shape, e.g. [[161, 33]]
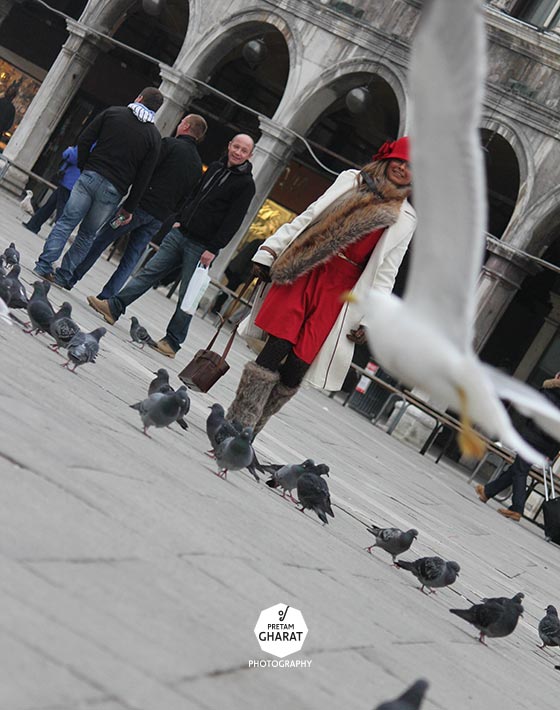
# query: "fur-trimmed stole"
[[342, 224]]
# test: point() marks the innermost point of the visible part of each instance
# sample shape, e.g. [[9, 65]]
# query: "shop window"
[[27, 88], [542, 13]]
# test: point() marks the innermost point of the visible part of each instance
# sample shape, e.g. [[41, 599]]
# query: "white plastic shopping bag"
[[195, 290]]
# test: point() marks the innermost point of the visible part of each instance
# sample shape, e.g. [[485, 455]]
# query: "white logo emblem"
[[281, 630]]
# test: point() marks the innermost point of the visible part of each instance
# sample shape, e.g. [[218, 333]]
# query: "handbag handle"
[[234, 331]]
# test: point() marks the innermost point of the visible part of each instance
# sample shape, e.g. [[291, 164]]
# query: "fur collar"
[[551, 384], [342, 224]]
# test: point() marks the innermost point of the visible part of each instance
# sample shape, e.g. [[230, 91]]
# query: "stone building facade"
[[314, 53]]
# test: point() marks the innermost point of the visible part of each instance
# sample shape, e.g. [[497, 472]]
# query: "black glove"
[[262, 272], [358, 335]]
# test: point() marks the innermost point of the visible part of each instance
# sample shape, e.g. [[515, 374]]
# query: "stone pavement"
[[132, 577]]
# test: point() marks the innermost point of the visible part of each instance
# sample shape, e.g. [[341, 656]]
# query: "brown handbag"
[[207, 366]]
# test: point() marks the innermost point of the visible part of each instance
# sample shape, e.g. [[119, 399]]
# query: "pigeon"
[[287, 476], [392, 540], [139, 334], [518, 598], [84, 347], [493, 619], [313, 492], [160, 383], [3, 271], [26, 204], [62, 327], [184, 410], [11, 255], [39, 309], [235, 452], [549, 628], [411, 699], [18, 295], [431, 572], [161, 410], [219, 428]]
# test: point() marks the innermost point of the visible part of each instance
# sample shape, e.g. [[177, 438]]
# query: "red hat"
[[398, 149]]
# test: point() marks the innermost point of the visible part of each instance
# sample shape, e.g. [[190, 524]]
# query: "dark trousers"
[[57, 201], [516, 477]]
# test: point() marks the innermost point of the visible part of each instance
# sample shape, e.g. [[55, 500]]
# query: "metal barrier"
[[6, 164]]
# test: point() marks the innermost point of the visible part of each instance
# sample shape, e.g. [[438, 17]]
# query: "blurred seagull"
[[436, 315]]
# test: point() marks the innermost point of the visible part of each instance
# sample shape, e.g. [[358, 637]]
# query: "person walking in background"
[[516, 474], [353, 238], [176, 175], [126, 151], [208, 221], [69, 173], [7, 108]]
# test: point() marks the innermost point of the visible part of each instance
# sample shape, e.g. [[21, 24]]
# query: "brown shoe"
[[511, 514], [102, 307], [480, 493], [163, 347]]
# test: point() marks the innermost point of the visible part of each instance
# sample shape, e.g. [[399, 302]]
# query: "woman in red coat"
[[352, 238]]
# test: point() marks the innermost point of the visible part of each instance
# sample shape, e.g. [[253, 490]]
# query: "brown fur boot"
[[252, 394], [279, 396]]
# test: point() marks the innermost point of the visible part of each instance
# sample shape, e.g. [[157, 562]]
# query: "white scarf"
[[143, 114]]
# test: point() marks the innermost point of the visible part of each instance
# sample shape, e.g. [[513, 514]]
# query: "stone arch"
[[542, 222]]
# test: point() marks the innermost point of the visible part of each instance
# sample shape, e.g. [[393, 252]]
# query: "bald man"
[[207, 222]]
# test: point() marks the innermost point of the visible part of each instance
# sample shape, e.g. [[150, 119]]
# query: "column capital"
[[273, 130], [507, 266], [276, 142], [176, 86], [78, 33]]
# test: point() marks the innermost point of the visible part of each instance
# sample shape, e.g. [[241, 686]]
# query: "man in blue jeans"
[[176, 175], [208, 221], [126, 151]]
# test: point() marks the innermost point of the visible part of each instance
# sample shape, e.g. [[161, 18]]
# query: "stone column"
[[536, 350], [51, 101], [272, 154], [501, 277], [177, 91]]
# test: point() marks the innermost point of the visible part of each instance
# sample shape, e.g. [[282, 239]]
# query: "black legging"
[[277, 350]]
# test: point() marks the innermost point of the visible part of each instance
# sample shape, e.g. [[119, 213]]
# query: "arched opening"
[[254, 72], [160, 37], [502, 176]]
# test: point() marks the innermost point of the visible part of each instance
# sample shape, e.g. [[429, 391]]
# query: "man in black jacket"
[[176, 175], [206, 224], [117, 151]]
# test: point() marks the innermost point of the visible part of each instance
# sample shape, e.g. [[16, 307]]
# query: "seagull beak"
[[470, 443], [348, 297]]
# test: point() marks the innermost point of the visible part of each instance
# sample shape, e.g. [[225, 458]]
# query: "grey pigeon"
[[392, 540], [139, 334], [3, 271], [161, 410], [492, 619], [39, 309], [313, 492], [518, 598], [11, 255], [160, 383], [411, 699], [83, 348], [431, 572], [235, 452], [549, 628], [287, 476], [62, 327], [184, 410], [219, 428], [18, 295]]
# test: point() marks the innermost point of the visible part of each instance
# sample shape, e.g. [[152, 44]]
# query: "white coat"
[[331, 365]]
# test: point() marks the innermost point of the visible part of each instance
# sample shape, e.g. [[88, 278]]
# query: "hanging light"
[[358, 99], [254, 52]]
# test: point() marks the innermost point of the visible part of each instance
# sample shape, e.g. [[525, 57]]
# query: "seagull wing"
[[447, 70]]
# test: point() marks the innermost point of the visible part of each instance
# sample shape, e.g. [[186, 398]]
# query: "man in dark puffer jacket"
[[207, 223], [516, 474]]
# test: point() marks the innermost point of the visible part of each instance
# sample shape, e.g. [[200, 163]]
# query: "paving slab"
[[132, 577]]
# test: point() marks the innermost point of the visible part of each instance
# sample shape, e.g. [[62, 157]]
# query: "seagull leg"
[[470, 443]]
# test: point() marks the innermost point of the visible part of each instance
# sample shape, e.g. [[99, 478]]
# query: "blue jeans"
[[516, 477], [175, 250], [142, 228], [92, 201], [57, 201]]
